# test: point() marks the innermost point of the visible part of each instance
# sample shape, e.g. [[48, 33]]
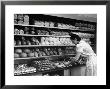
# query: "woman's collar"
[[82, 41]]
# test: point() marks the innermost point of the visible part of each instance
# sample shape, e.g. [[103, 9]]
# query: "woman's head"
[[75, 38]]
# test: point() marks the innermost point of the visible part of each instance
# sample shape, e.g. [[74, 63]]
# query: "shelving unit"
[[55, 20]]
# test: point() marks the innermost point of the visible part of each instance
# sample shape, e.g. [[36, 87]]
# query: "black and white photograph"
[[55, 45]]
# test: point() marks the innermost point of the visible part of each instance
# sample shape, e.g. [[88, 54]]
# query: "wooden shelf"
[[92, 44], [38, 26], [52, 27], [43, 46], [28, 58], [33, 26], [39, 35]]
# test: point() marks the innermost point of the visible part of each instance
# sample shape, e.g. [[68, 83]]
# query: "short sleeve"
[[79, 48], [84, 48]]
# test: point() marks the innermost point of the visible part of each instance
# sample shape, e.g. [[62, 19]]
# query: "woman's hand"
[[75, 59], [77, 56]]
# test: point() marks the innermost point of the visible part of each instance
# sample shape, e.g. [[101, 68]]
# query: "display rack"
[[54, 19]]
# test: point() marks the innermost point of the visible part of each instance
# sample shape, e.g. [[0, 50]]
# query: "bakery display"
[[45, 44]]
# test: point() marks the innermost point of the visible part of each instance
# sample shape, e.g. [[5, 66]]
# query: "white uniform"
[[91, 65]]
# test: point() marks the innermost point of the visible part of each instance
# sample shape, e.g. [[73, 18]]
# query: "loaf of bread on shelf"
[[23, 55], [16, 55], [27, 50], [31, 54], [18, 50]]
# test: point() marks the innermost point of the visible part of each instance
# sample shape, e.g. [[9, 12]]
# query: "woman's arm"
[[73, 60], [78, 54]]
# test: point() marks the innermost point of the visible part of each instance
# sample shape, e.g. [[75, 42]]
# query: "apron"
[[91, 65]]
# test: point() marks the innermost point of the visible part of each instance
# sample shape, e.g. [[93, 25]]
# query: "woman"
[[84, 49]]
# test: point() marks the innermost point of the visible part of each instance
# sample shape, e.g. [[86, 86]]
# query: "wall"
[[85, 17]]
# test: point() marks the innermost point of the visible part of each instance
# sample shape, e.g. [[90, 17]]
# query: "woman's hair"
[[74, 36]]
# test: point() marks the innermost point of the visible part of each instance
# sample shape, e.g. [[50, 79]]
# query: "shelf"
[[39, 35], [35, 26], [92, 44], [52, 27], [28, 58], [84, 30], [43, 46], [46, 71]]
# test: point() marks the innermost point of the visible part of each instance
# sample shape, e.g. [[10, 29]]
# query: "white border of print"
[[100, 79]]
